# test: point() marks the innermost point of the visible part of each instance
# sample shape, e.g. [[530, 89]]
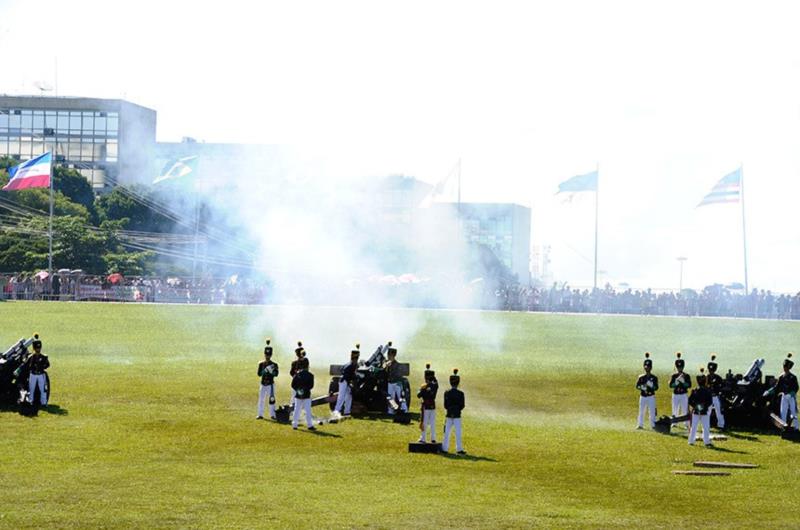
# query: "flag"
[[727, 189], [587, 182], [443, 188], [178, 168], [35, 173]]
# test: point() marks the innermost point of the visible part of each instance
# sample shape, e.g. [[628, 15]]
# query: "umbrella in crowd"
[[114, 278]]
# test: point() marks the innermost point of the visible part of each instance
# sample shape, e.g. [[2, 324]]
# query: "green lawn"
[[153, 423]]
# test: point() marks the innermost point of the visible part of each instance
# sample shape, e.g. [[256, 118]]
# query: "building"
[[107, 140], [503, 228]]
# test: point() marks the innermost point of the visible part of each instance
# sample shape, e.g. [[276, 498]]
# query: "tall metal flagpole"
[[50, 228], [596, 208], [744, 228]]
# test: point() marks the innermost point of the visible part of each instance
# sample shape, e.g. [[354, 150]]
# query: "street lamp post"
[[681, 259]]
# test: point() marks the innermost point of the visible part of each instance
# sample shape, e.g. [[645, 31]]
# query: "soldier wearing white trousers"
[[427, 393], [700, 403], [37, 365], [647, 385], [715, 383], [302, 384], [453, 404], [786, 386], [394, 387], [344, 401], [267, 371], [680, 383]]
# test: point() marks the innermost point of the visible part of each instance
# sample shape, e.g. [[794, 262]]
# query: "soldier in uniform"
[[427, 394], [453, 405], [786, 387], [394, 387], [37, 365], [267, 371], [647, 385], [346, 382], [680, 383], [300, 353], [700, 404], [715, 385], [302, 383]]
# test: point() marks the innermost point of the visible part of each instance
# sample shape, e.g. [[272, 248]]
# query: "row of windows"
[[492, 225], [97, 151], [61, 121]]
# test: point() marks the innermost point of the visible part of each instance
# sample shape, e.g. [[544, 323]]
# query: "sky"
[[664, 98]]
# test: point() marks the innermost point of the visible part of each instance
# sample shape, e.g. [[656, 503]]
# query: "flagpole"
[[744, 229], [596, 209], [459, 186], [50, 228]]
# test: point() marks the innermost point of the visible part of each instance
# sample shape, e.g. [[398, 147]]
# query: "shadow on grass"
[[31, 412], [726, 450], [468, 457], [318, 432]]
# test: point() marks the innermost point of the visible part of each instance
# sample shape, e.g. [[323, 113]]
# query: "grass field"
[[152, 424]]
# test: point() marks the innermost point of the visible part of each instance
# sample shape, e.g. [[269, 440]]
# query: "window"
[[113, 123], [61, 123], [100, 124], [14, 120], [27, 119], [111, 151], [3, 119], [88, 122], [75, 121], [38, 120]]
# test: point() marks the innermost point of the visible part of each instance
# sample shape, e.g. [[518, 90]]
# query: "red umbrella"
[[114, 278]]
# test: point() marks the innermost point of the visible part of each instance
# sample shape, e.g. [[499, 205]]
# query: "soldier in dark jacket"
[[680, 383], [36, 365], [647, 385], [715, 385], [786, 387], [700, 405], [344, 401], [427, 394], [453, 405], [300, 353], [394, 381], [302, 384], [267, 371]]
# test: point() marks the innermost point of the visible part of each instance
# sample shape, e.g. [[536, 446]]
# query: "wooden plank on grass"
[[701, 473], [734, 465]]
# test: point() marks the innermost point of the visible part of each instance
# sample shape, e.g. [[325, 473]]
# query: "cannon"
[[14, 376], [743, 401], [370, 389]]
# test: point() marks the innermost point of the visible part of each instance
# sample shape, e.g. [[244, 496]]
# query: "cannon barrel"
[[17, 348], [754, 372]]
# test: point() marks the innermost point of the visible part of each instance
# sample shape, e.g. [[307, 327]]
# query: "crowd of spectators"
[[715, 300]]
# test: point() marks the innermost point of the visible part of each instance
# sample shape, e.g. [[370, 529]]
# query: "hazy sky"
[[665, 97]]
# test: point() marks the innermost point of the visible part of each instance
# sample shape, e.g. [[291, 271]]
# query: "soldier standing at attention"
[[715, 385], [394, 386], [700, 403], [302, 383], [346, 382], [680, 383], [453, 405], [37, 365], [786, 386], [293, 369], [268, 371], [427, 393], [647, 385]]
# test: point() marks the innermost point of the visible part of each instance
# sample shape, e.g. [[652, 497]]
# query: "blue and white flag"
[[35, 173], [728, 189], [586, 182]]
